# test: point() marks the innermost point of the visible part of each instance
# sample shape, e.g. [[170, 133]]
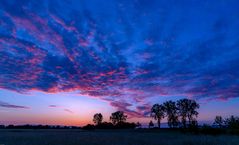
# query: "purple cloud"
[[65, 109], [53, 106], [139, 52], [7, 105], [69, 111]]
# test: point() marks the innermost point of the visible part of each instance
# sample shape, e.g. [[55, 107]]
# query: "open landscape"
[[111, 137], [119, 72]]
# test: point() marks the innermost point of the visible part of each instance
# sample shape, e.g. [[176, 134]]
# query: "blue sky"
[[75, 58]]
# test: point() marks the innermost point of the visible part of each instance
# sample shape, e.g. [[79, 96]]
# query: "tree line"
[[231, 122], [118, 120], [182, 113], [28, 126]]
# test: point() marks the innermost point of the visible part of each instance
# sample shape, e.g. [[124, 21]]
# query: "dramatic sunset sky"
[[61, 61]]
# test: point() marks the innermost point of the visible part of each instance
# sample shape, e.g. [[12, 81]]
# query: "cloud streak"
[[53, 106], [7, 105], [65, 109], [68, 111]]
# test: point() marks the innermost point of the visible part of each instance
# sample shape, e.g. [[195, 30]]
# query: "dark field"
[[101, 137]]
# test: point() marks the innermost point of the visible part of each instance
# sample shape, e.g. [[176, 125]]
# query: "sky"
[[62, 61]]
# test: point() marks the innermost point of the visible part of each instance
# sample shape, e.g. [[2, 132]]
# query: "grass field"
[[107, 137]]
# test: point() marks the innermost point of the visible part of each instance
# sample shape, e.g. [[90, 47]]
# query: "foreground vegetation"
[[111, 137]]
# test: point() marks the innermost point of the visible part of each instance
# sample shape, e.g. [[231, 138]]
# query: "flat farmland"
[[110, 137]]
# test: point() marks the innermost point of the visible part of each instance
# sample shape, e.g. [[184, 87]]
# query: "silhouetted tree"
[[151, 124], [171, 111], [157, 112], [97, 119], [232, 122], [218, 121], [118, 117], [187, 109]]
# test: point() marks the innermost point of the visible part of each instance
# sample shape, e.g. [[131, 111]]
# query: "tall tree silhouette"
[[157, 112], [97, 119], [118, 117], [187, 109], [171, 112]]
